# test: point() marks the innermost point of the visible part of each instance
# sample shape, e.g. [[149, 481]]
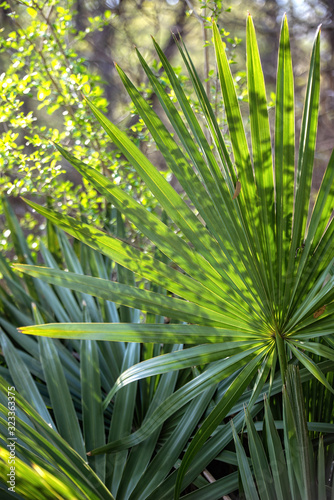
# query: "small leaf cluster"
[[41, 102]]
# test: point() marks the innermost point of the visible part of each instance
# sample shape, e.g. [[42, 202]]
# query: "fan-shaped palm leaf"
[[248, 264]]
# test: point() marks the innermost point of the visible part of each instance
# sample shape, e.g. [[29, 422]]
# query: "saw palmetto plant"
[[297, 472], [249, 270], [55, 389]]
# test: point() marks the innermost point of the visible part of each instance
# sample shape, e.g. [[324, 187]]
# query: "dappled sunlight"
[[243, 286]]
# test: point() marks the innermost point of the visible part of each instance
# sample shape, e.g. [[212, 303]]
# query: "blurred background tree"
[[53, 51]]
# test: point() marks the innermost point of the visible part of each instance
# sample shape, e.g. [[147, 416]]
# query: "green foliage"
[[60, 389], [41, 101], [248, 272], [297, 473], [47, 69]]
